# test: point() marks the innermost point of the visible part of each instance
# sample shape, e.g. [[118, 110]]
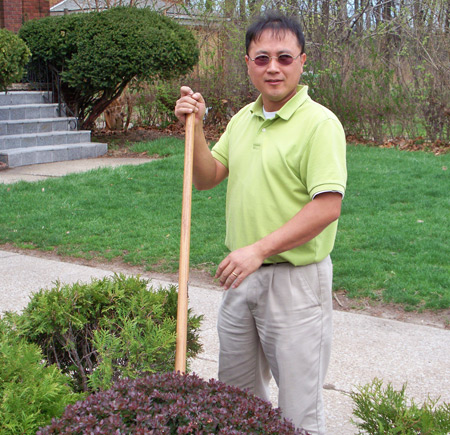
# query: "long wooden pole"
[[183, 277]]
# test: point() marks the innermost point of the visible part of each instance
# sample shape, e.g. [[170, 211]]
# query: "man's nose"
[[273, 63]]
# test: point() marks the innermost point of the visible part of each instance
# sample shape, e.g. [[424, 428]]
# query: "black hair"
[[278, 23]]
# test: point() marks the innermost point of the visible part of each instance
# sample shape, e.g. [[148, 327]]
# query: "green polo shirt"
[[276, 166]]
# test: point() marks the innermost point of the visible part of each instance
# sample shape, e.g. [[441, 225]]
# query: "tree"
[[98, 53]]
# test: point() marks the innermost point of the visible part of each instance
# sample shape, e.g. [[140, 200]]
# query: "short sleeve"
[[325, 166]]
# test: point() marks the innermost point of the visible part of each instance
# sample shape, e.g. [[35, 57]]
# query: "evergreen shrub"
[[99, 53], [171, 403], [14, 55], [105, 330], [31, 393], [387, 411]]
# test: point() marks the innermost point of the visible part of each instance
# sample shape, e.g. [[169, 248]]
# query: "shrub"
[[14, 55], [31, 394], [386, 411], [105, 330], [171, 403], [155, 102], [99, 53]]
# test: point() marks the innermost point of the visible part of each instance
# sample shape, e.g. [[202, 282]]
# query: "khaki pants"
[[279, 321]]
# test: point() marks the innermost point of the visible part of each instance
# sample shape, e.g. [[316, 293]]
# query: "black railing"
[[45, 77]]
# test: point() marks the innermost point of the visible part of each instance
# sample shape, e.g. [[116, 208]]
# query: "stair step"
[[43, 125], [28, 111], [32, 131], [44, 139], [51, 153], [23, 97]]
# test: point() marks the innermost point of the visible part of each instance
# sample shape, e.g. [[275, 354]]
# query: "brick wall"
[[13, 13]]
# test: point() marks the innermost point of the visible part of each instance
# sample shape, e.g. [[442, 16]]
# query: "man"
[[284, 156]]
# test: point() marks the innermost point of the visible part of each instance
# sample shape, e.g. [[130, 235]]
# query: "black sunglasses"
[[282, 59]]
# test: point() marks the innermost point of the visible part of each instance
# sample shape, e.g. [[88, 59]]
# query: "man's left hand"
[[238, 265]]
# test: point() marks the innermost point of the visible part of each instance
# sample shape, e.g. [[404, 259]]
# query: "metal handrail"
[[63, 107], [45, 77]]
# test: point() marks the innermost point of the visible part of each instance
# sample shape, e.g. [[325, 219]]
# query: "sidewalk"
[[363, 348], [59, 169]]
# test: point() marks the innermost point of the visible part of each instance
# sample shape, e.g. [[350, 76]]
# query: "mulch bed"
[[418, 144], [124, 138]]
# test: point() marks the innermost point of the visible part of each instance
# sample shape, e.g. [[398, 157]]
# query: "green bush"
[[155, 102], [31, 394], [14, 55], [99, 53], [105, 330], [387, 411], [171, 403]]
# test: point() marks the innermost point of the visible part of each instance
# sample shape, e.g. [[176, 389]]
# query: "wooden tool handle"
[[183, 278]]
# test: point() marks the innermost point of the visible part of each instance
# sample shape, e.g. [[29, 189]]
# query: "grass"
[[164, 147], [392, 240], [393, 235]]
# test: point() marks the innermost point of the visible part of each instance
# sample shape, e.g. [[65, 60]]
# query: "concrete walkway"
[[51, 170], [364, 347]]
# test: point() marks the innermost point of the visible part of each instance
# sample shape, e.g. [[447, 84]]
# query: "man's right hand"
[[208, 172], [190, 102]]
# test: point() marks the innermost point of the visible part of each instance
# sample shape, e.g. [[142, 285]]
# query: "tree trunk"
[[101, 105]]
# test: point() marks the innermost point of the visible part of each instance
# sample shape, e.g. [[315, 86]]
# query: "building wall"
[[13, 13]]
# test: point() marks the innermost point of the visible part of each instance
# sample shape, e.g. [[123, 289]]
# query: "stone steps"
[[28, 111], [22, 97], [42, 125], [31, 132], [44, 139], [51, 153]]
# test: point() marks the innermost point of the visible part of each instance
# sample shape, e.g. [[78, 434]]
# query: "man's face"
[[277, 83]]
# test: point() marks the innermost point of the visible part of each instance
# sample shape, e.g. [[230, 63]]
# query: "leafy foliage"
[[99, 53], [171, 403], [155, 102], [31, 394], [14, 55], [105, 330], [386, 411]]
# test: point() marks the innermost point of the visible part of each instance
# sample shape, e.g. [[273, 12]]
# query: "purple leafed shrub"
[[171, 403]]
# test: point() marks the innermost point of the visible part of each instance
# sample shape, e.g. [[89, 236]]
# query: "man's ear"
[[247, 61], [303, 58]]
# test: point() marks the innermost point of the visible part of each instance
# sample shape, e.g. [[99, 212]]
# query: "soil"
[[200, 278], [122, 140]]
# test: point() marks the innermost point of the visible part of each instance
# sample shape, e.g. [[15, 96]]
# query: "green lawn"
[[392, 240]]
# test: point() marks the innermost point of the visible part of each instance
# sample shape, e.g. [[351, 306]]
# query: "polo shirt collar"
[[288, 109]]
